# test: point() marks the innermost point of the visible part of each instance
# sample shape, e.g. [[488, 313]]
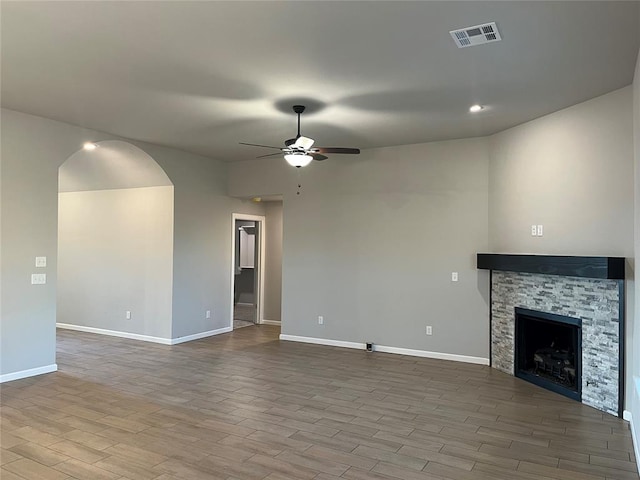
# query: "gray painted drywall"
[[570, 171], [371, 241], [115, 253], [202, 240], [33, 148], [273, 261]]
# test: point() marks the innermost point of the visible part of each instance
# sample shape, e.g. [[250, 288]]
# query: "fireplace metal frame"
[[536, 380]]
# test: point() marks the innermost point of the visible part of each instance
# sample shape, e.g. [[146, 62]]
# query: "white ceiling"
[[203, 76]]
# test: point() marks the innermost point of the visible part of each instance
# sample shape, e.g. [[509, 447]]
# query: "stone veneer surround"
[[596, 301]]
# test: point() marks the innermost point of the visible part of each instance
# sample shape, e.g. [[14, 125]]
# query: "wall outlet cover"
[[38, 278], [41, 262]]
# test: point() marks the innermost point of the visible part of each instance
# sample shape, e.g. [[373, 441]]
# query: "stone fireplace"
[[558, 322]]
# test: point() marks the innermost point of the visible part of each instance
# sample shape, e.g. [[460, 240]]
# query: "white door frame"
[[259, 294]]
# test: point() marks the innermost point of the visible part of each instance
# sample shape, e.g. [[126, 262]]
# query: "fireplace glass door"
[[548, 351]]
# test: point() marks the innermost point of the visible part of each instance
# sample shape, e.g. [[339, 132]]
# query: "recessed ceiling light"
[[89, 146], [476, 108]]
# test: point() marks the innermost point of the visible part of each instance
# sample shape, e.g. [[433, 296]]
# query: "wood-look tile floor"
[[247, 406]]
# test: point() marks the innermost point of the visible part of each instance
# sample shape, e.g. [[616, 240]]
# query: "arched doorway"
[[115, 243]]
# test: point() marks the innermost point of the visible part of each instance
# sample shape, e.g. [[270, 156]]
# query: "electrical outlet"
[[320, 320], [41, 262], [534, 230], [429, 330], [207, 314], [540, 230], [454, 276], [127, 314]]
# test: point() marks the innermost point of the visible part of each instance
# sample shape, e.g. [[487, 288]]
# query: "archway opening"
[[115, 243]]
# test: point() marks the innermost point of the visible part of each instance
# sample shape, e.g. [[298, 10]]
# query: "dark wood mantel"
[[610, 268]]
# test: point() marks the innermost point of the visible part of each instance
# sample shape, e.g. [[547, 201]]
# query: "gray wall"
[[115, 253], [570, 171], [32, 150], [371, 242], [273, 261]]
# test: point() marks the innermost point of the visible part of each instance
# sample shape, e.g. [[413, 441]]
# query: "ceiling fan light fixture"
[[304, 142], [298, 159]]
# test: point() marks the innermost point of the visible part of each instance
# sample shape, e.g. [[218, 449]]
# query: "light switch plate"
[[41, 262], [534, 230], [540, 230], [454, 276], [38, 278]]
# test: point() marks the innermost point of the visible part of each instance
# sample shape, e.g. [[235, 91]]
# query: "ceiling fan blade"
[[289, 142], [317, 156], [352, 151], [270, 155], [258, 145]]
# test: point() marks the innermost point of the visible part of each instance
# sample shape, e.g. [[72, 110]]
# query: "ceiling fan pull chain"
[[299, 181]]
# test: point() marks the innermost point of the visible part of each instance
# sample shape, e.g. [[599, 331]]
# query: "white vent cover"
[[477, 35]]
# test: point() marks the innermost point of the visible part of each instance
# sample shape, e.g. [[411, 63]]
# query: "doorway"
[[115, 243], [247, 270]]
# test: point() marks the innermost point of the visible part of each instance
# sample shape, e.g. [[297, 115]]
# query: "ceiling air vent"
[[477, 35]]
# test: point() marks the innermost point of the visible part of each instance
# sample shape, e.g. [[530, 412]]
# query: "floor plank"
[[245, 406]]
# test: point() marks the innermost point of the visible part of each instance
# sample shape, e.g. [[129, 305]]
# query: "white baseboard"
[[437, 355], [385, 349], [197, 336], [115, 333], [323, 341], [626, 415], [270, 322], [144, 338], [32, 372]]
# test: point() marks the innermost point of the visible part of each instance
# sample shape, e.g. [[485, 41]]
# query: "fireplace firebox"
[[548, 351]]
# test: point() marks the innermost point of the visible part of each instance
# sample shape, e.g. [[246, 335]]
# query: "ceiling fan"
[[299, 151]]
